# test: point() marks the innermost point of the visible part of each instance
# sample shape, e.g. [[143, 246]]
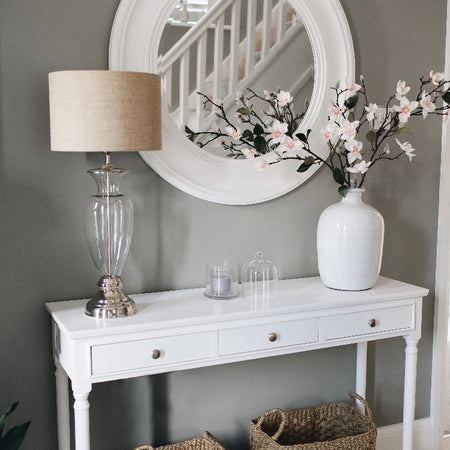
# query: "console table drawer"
[[267, 336], [368, 322], [155, 352]]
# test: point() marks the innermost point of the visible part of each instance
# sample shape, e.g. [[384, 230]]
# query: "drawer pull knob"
[[372, 323], [156, 354], [272, 337]]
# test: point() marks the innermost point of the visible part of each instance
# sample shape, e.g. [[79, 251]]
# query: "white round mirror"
[[193, 46]]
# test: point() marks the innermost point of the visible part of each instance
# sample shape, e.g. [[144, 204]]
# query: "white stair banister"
[[267, 28], [201, 78], [234, 45], [184, 88], [251, 26], [218, 59], [281, 26], [193, 35]]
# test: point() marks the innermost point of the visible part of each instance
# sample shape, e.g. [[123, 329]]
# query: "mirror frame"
[[135, 37]]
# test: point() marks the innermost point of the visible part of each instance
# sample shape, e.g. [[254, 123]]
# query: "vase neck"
[[108, 179], [353, 196]]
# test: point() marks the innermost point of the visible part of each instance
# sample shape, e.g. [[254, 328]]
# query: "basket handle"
[[282, 413], [209, 437], [354, 396]]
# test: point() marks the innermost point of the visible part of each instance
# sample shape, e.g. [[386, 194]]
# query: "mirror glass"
[[153, 36], [212, 51]]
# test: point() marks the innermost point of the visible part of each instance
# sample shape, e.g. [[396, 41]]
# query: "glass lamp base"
[[110, 302]]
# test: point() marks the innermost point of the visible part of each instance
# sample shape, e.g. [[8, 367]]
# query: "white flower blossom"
[[405, 109], [330, 132], [235, 133], [283, 98], [402, 89], [427, 104], [249, 153], [387, 149], [269, 95], [261, 164], [372, 109], [290, 146], [348, 129], [360, 167], [354, 148], [277, 131], [407, 148], [436, 77], [239, 97], [334, 113], [352, 88]]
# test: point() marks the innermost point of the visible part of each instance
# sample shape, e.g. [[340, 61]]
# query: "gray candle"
[[220, 283]]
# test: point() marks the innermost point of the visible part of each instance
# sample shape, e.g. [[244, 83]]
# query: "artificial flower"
[[334, 113], [261, 164], [354, 148], [283, 98], [402, 89], [405, 109], [436, 77], [235, 133], [290, 146], [360, 167], [277, 131], [426, 102], [372, 109], [348, 129], [249, 153], [407, 148], [330, 132]]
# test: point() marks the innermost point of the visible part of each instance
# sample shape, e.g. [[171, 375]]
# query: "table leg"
[[361, 372], [62, 407], [409, 401], [81, 416]]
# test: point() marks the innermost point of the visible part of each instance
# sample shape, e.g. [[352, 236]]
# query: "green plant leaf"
[[371, 136], [14, 437], [351, 102], [446, 96], [244, 111], [11, 409], [310, 160], [260, 144], [302, 137], [258, 129], [338, 175], [247, 134], [343, 190], [403, 130], [303, 168]]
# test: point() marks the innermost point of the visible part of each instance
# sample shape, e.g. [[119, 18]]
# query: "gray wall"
[[44, 256]]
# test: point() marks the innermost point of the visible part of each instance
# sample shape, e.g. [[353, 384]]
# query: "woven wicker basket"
[[333, 426], [208, 442]]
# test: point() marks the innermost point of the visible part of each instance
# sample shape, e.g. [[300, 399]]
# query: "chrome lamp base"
[[110, 301]]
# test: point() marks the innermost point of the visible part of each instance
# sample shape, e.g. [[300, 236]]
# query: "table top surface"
[[190, 306]]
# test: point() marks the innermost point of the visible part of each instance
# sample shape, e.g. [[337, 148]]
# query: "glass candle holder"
[[221, 281]]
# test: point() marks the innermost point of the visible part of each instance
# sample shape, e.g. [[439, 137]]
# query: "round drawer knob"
[[156, 354], [272, 337], [372, 323]]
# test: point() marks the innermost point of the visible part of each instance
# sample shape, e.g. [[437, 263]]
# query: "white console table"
[[179, 330]]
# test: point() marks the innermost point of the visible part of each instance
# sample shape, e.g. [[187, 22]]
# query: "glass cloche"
[[260, 281]]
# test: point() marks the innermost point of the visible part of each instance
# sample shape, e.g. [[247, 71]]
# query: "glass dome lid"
[[260, 281]]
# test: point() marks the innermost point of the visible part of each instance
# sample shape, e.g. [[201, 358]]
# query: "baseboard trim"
[[390, 437]]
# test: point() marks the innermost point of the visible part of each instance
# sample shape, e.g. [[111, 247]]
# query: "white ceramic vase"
[[350, 244]]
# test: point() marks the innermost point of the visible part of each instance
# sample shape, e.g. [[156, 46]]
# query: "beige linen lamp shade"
[[104, 111]]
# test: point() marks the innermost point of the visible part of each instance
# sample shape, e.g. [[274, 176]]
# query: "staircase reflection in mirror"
[[222, 47]]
